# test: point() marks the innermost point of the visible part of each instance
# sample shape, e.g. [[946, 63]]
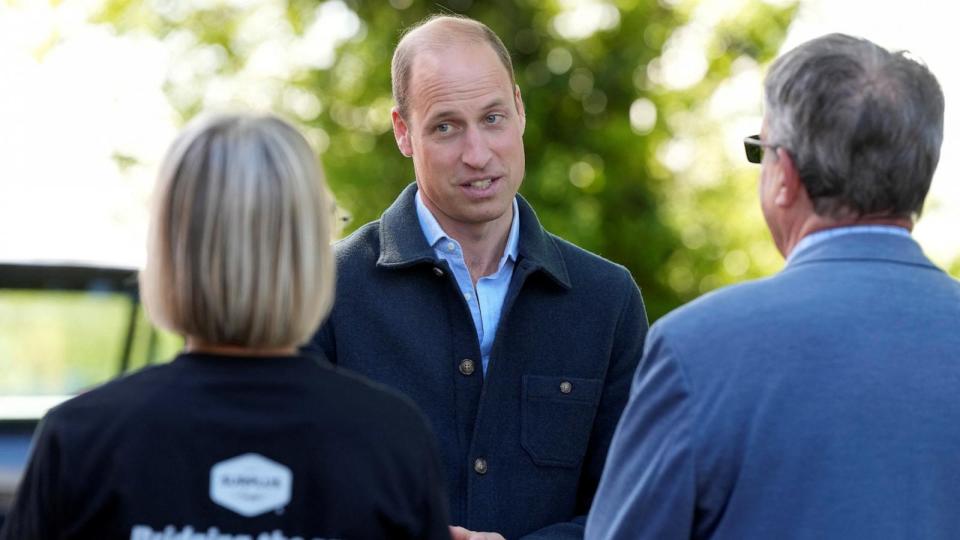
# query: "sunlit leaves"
[[628, 112]]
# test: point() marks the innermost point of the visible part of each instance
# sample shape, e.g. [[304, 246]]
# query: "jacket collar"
[[864, 247], [403, 244]]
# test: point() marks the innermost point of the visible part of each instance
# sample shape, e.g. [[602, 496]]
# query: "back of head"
[[863, 125], [239, 251], [437, 33]]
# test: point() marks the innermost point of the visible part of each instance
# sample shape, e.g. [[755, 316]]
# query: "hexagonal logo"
[[250, 484]]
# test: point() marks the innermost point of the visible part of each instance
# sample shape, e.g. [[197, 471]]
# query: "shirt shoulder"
[[131, 390]]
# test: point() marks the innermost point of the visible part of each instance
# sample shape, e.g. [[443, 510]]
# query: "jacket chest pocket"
[[557, 418]]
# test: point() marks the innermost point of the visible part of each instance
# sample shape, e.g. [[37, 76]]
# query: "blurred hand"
[[459, 533]]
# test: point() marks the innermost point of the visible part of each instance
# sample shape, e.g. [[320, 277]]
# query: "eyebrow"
[[494, 103], [443, 114]]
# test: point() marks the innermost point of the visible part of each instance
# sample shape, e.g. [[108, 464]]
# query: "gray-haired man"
[[821, 402]]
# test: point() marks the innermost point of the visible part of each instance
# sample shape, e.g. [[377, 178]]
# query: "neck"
[[194, 345], [815, 223], [483, 243]]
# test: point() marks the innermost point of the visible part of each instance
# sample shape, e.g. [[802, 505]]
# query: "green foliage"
[[594, 177]]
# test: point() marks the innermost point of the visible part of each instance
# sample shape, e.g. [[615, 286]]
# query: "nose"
[[476, 150]]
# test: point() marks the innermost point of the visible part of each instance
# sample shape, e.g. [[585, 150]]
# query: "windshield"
[[65, 329]]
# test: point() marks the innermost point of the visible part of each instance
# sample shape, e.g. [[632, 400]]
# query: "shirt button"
[[566, 387], [450, 246], [467, 296], [480, 466], [466, 366], [437, 271]]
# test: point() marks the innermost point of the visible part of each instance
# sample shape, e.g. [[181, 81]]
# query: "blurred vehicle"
[[63, 329]]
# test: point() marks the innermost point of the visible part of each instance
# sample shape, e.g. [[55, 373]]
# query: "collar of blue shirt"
[[818, 237], [435, 234]]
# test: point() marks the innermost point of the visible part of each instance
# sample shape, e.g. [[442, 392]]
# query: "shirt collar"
[[434, 233], [821, 236], [428, 223], [402, 243]]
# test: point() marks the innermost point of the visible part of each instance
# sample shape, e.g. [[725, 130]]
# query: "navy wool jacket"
[[524, 444]]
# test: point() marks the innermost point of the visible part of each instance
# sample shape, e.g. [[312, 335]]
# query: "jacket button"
[[437, 271], [467, 367], [480, 466], [566, 387]]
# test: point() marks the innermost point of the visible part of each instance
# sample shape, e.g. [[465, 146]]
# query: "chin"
[[487, 217]]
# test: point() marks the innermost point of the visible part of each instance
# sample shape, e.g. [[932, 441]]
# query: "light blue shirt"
[[486, 300], [815, 238]]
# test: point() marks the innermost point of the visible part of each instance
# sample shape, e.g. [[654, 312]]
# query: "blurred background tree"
[[635, 111]]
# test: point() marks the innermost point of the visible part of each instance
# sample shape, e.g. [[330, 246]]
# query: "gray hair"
[[239, 248], [862, 124], [438, 32]]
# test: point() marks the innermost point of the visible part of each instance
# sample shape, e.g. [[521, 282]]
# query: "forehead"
[[457, 76]]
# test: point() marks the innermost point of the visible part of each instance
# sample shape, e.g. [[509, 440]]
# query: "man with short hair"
[[820, 402], [517, 345]]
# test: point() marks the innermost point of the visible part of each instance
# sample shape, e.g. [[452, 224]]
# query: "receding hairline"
[[444, 27], [435, 34]]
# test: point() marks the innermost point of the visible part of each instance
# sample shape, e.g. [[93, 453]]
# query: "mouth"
[[481, 185]]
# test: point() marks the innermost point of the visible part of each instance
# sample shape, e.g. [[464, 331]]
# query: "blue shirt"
[[817, 237], [486, 300]]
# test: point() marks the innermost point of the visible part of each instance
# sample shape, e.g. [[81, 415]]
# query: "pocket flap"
[[557, 418]]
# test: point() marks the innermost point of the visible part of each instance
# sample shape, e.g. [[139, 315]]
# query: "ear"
[[518, 101], [790, 187], [401, 132]]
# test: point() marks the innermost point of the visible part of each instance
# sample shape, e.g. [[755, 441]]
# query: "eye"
[[494, 118], [442, 128]]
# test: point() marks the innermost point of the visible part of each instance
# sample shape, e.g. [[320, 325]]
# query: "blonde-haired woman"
[[239, 436]]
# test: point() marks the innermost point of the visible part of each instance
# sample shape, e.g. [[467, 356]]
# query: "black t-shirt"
[[228, 448]]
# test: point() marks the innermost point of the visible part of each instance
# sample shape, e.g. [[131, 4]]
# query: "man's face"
[[464, 130]]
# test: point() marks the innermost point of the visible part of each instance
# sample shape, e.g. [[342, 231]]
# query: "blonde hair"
[[239, 246]]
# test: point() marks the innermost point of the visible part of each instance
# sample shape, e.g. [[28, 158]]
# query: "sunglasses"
[[753, 146]]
